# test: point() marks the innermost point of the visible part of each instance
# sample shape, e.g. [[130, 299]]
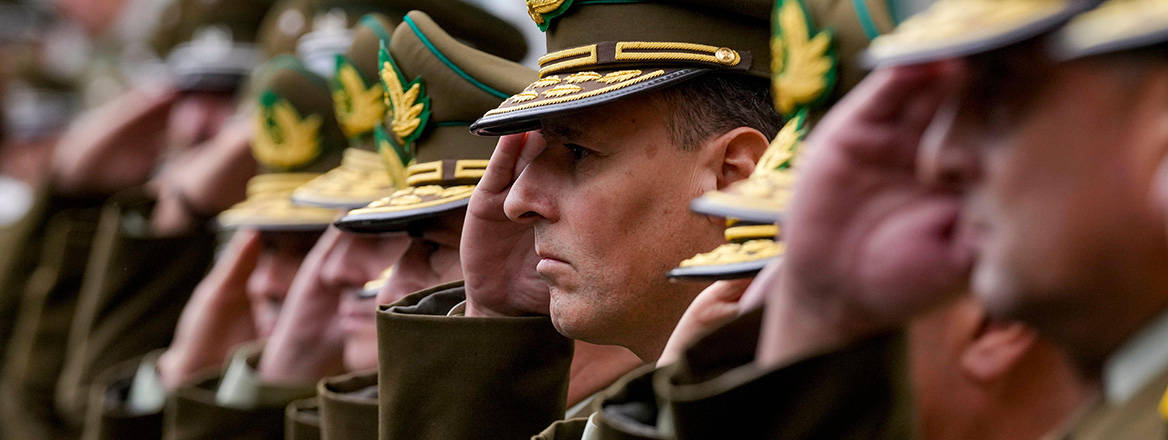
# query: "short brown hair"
[[715, 103]]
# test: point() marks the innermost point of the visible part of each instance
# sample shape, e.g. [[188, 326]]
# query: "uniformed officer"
[[295, 139], [619, 103], [1080, 138], [109, 150], [327, 327], [833, 293]]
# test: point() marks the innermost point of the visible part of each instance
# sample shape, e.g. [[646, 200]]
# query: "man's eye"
[[431, 246], [577, 151]]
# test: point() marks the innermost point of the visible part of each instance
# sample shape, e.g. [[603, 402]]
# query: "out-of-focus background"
[[60, 57]]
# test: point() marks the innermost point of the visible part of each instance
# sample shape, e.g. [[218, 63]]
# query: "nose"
[[946, 158], [532, 196], [271, 278], [341, 268]]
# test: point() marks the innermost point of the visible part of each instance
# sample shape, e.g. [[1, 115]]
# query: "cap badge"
[[409, 105], [359, 108], [284, 140], [802, 59], [396, 159], [543, 11], [781, 153]]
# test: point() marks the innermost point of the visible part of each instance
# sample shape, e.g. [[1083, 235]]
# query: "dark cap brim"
[[220, 82], [728, 209], [372, 221], [518, 116], [732, 271], [918, 52], [262, 225]]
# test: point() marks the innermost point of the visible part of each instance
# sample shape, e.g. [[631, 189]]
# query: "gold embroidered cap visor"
[[751, 248], [600, 51], [958, 28], [269, 207], [762, 198], [434, 86], [405, 208], [373, 286], [556, 95], [361, 179], [1113, 26], [766, 193]]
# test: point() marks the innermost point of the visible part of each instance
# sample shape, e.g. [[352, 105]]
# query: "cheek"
[[265, 314], [361, 350]]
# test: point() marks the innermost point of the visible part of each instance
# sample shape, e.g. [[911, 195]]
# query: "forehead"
[[619, 118], [289, 239]]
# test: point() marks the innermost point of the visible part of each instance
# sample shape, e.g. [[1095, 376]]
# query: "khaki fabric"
[[20, 247], [452, 378], [134, 290], [348, 406], [193, 413], [715, 391], [107, 416], [571, 429], [302, 420], [1139, 418], [35, 357]]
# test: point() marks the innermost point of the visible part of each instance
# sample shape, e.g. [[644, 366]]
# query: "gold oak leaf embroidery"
[[396, 160], [780, 154], [358, 108], [408, 103], [283, 139], [538, 8], [803, 64]]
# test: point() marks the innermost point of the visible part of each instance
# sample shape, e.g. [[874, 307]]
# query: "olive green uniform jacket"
[[41, 277], [102, 291], [134, 290], [346, 408], [194, 411], [468, 383], [453, 378]]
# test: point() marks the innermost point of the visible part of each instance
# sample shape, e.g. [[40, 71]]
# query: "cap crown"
[[295, 127], [435, 87], [596, 34], [358, 95]]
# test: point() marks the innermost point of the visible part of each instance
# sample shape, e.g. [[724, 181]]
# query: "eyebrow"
[[562, 131]]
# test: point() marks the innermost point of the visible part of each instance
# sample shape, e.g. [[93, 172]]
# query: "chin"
[[571, 317], [1008, 294], [360, 355]]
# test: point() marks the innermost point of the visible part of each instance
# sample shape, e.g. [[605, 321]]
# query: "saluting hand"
[[115, 146], [498, 255], [868, 245], [307, 342], [714, 307], [218, 316]]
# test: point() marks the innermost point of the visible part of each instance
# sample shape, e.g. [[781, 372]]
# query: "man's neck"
[[595, 367]]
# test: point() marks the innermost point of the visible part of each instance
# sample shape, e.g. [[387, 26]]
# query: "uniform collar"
[[1137, 362]]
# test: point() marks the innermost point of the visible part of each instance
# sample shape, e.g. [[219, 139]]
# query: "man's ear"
[[740, 150], [996, 349]]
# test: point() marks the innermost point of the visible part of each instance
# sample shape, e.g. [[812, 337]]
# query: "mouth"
[[550, 263]]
